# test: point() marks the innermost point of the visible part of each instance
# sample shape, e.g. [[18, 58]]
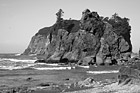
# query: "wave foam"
[[53, 68], [48, 64], [36, 66], [16, 67], [16, 60], [83, 66], [103, 72], [18, 54]]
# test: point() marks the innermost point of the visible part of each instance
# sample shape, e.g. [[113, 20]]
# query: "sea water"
[[17, 62], [15, 69]]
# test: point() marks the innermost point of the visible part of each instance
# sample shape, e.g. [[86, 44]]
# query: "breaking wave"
[[83, 66], [17, 54], [26, 64], [12, 64], [103, 72], [17, 64], [53, 68], [17, 60]]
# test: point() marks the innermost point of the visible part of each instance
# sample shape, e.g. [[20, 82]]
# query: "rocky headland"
[[91, 40]]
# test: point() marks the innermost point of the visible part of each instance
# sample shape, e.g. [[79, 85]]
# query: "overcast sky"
[[21, 19]]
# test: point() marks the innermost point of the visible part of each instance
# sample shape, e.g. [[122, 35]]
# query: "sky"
[[21, 19]]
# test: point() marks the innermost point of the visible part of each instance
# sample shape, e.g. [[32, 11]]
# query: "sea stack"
[[91, 40]]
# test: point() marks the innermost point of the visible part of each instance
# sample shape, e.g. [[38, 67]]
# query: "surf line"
[[103, 72]]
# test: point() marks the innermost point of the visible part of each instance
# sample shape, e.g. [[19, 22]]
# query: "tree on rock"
[[59, 14]]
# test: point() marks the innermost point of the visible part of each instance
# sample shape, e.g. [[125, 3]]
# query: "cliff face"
[[45, 36], [87, 41]]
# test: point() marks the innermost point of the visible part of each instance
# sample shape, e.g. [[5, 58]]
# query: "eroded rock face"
[[84, 40], [92, 23], [75, 46], [115, 42], [129, 73], [45, 39], [37, 45]]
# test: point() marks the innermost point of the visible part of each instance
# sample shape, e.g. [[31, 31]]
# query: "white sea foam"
[[52, 64], [83, 66], [14, 67], [102, 72], [32, 54], [48, 64], [52, 68], [16, 64], [18, 54], [11, 65], [17, 60]]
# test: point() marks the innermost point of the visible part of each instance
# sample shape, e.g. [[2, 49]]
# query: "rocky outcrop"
[[93, 39], [88, 82], [130, 73], [44, 41]]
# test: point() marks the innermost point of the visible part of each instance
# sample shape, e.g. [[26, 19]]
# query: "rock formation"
[[93, 39], [130, 73]]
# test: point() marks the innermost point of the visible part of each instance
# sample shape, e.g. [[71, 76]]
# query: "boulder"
[[86, 61], [40, 61]]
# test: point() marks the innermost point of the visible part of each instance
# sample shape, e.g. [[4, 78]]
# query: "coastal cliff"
[[91, 40]]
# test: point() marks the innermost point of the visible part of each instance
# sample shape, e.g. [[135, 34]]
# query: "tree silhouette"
[[59, 14]]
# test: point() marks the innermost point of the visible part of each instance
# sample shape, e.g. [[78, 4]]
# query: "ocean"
[[17, 62], [16, 69], [20, 70]]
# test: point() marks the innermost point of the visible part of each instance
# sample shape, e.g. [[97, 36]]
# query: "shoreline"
[[58, 80]]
